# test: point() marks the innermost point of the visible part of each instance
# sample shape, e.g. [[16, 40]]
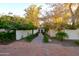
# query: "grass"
[[30, 37]]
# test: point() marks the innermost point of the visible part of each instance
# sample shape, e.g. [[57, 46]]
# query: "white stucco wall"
[[23, 33], [51, 33], [2, 30], [73, 34], [35, 31]]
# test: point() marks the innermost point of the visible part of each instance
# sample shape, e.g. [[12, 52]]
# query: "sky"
[[18, 8]]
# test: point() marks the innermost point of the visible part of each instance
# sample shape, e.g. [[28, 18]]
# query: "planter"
[[73, 34]]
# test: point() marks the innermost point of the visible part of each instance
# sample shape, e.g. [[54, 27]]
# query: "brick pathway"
[[38, 39], [22, 48]]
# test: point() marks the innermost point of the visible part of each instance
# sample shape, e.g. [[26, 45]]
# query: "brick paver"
[[38, 39], [22, 48]]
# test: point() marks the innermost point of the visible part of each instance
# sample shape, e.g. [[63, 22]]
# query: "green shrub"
[[7, 37], [72, 27], [45, 39], [61, 35], [30, 37], [77, 42]]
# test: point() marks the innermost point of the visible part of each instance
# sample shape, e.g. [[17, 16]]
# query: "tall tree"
[[63, 12], [72, 8], [60, 15], [32, 14], [77, 15]]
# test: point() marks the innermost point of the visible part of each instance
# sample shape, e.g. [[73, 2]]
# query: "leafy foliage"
[[15, 23], [31, 26], [62, 14], [7, 37], [71, 27], [45, 39], [76, 42], [47, 26], [32, 14], [61, 35], [30, 37]]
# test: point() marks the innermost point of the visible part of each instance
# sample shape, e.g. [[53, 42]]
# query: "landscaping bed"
[[45, 38], [31, 37]]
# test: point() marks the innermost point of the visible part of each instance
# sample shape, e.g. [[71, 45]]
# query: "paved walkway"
[[22, 48], [38, 39]]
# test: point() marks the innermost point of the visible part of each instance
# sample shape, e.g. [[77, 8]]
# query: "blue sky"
[[16, 8]]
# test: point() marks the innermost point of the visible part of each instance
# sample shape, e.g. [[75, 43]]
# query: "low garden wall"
[[2, 30], [51, 33], [23, 33], [35, 31], [72, 34]]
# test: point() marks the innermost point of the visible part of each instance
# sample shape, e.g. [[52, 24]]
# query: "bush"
[[45, 39], [30, 37], [72, 27], [61, 35], [77, 42], [7, 37]]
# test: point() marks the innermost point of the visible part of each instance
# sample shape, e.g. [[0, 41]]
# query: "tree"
[[47, 26], [19, 22], [73, 8], [77, 15], [62, 12], [12, 22], [32, 15], [60, 16], [5, 21]]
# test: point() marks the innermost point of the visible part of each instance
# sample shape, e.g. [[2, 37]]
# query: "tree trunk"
[[72, 15]]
